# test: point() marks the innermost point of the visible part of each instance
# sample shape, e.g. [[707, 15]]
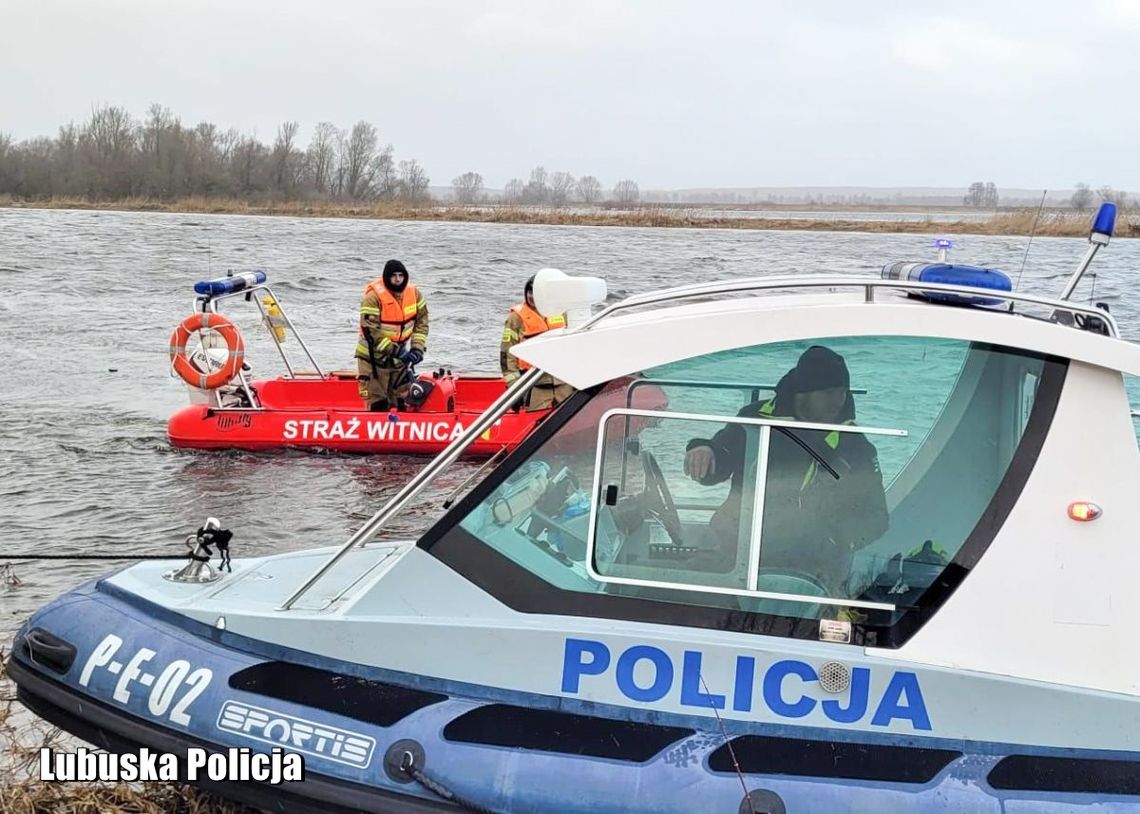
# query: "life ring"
[[182, 365]]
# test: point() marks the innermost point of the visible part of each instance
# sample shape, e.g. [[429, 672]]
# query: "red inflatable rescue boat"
[[319, 410]]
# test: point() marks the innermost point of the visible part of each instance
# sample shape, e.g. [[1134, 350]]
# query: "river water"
[[88, 300]]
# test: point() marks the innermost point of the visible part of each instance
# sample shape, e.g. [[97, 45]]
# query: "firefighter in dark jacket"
[[814, 521], [393, 337], [522, 323]]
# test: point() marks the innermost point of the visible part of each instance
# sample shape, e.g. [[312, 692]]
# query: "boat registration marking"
[[169, 691]]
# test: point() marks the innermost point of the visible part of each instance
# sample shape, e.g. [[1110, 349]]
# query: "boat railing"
[[869, 285], [422, 478], [211, 304]]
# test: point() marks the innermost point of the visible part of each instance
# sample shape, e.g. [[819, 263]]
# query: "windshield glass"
[[716, 497]]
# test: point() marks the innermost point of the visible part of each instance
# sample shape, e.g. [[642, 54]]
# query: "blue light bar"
[[943, 243], [229, 285], [1105, 219]]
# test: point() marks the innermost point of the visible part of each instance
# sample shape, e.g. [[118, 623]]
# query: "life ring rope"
[[186, 370]]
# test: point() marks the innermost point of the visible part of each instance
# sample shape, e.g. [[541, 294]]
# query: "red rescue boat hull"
[[327, 414]]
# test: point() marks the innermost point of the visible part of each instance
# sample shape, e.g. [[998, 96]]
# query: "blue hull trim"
[[160, 672]]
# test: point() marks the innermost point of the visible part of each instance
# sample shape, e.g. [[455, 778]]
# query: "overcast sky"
[[672, 94]]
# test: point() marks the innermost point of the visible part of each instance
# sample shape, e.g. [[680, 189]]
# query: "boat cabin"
[[974, 447]]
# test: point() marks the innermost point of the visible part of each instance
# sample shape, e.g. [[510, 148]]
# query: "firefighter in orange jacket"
[[393, 337], [522, 323]]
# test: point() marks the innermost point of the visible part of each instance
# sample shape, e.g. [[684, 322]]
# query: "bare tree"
[[67, 170], [514, 191], [468, 187], [7, 163], [413, 183], [358, 161], [626, 192], [109, 139], [247, 163], [387, 183], [207, 175], [536, 191], [286, 161], [1082, 197], [561, 186], [320, 158], [991, 199], [589, 189], [165, 153], [1109, 195], [982, 195]]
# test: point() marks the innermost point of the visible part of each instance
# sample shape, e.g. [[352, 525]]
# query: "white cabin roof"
[[628, 343]]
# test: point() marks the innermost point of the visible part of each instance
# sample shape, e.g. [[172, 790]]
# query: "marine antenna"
[[1032, 232], [731, 751]]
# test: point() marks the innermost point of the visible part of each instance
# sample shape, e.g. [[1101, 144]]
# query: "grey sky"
[[672, 94]]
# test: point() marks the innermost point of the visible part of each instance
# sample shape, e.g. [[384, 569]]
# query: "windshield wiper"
[[807, 448]]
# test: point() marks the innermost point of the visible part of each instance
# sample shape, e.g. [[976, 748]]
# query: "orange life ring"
[[207, 320]]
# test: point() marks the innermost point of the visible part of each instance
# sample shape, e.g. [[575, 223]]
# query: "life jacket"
[[397, 316], [832, 439], [534, 324]]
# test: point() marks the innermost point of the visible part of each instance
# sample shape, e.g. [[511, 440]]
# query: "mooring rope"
[[408, 767]]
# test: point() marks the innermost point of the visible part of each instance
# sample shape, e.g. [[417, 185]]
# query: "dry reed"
[[1053, 222], [21, 791]]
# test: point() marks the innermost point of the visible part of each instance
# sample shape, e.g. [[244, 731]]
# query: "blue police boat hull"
[[139, 675]]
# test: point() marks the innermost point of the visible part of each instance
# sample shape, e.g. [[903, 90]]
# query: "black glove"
[[412, 356]]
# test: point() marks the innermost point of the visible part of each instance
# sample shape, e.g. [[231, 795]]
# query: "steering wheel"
[[790, 581], [662, 505]]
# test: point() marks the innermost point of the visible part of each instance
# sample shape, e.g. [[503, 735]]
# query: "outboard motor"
[[418, 392]]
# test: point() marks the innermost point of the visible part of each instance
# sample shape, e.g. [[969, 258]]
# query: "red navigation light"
[[1084, 510]]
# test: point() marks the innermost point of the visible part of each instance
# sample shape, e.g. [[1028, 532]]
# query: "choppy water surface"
[[88, 299]]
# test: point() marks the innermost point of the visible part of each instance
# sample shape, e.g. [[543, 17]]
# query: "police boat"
[[309, 407], [593, 629]]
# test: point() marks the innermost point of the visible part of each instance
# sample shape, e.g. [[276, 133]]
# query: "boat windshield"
[[729, 501]]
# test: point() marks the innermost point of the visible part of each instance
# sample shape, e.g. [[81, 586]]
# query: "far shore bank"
[[1012, 222]]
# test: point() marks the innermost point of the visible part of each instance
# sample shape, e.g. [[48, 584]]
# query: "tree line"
[[113, 156], [1083, 196], [543, 188], [984, 195]]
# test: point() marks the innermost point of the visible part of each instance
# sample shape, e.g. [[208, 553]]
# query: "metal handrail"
[[869, 285], [425, 476], [248, 292]]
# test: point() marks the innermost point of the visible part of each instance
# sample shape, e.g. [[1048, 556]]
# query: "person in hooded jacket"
[[814, 520], [393, 337], [522, 323]]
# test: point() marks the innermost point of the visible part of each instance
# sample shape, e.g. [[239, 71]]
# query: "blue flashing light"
[[951, 274], [1105, 219], [229, 285], [943, 243]]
